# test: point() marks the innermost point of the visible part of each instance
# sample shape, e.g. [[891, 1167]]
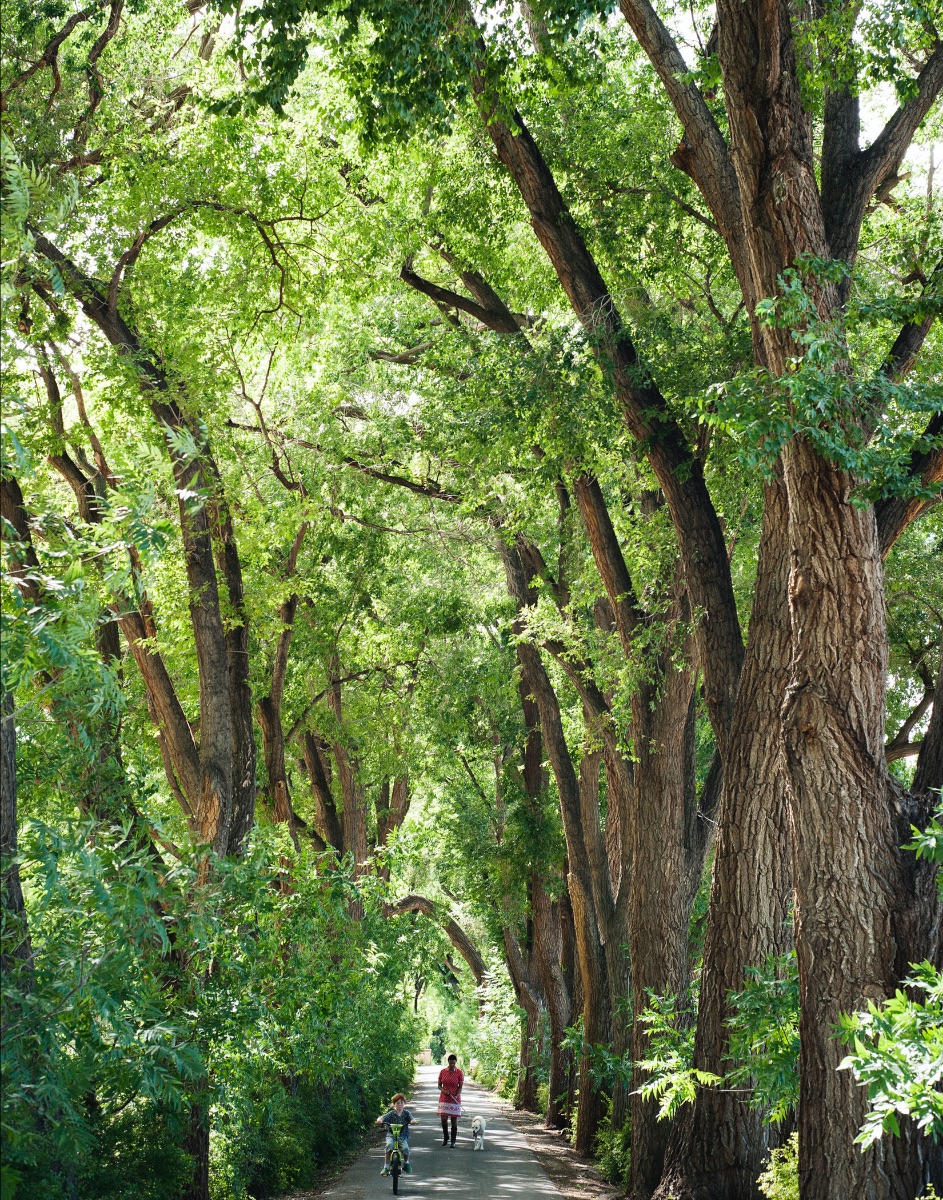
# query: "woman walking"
[[450, 1099]]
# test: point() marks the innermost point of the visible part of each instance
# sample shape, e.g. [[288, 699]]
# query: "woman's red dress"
[[450, 1092]]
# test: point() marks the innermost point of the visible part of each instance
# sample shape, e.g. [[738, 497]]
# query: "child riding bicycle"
[[399, 1114]]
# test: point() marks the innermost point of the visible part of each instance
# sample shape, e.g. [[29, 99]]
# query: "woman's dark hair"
[[452, 1058]]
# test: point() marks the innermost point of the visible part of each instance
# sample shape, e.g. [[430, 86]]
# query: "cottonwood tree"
[[753, 140]]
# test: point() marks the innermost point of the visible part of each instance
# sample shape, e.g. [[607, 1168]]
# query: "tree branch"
[[457, 936], [433, 491], [929, 770], [909, 342], [703, 152], [495, 321], [847, 186], [610, 562], [645, 409], [895, 513], [49, 55]]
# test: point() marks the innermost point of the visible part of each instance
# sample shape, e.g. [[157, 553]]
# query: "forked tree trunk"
[[216, 780], [855, 896]]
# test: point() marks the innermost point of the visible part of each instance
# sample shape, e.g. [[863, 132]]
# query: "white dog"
[[478, 1132]]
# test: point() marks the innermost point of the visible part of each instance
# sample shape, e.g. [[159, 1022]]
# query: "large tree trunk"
[[229, 569], [528, 993], [663, 855], [860, 914], [578, 797], [667, 859], [716, 1148], [525, 1095], [855, 931], [549, 956], [196, 1143], [273, 754]]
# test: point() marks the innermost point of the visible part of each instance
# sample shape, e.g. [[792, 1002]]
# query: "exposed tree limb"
[[451, 299], [703, 153], [646, 412], [49, 56], [610, 562], [423, 488]]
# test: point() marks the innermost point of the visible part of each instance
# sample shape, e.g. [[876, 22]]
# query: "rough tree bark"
[[529, 994], [667, 837], [716, 1147], [353, 814], [782, 217], [855, 896]]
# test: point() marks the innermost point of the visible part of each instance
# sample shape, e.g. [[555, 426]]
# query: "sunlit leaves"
[[897, 1046], [868, 426], [898, 1055]]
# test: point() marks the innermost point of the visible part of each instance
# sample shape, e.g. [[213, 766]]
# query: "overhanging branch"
[[457, 936]]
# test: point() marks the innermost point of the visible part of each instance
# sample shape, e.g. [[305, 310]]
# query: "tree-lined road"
[[506, 1167]]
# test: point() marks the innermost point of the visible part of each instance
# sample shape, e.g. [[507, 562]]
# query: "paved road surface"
[[505, 1170]]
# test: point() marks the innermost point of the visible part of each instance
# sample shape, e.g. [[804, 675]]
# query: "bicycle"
[[396, 1157]]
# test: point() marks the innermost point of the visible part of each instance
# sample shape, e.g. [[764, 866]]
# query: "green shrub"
[[764, 1043], [897, 1047], [294, 1035], [780, 1180], [613, 1148]]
